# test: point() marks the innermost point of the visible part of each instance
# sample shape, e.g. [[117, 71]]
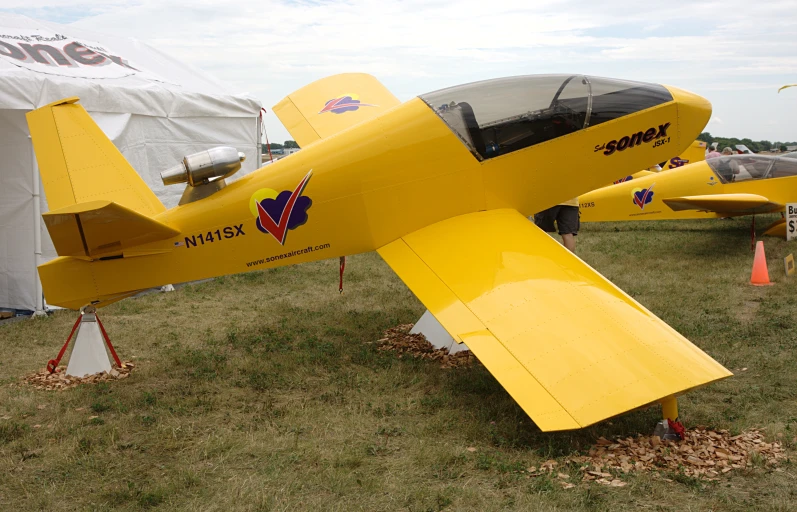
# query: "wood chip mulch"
[[59, 380], [704, 454], [398, 339]]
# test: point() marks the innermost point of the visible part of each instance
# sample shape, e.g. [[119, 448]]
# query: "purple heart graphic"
[[643, 197], [274, 207]]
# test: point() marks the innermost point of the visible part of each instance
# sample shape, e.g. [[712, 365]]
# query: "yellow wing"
[[78, 163], [333, 104], [570, 347], [741, 204]]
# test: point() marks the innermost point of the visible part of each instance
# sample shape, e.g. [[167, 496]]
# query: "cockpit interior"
[[496, 117], [736, 168]]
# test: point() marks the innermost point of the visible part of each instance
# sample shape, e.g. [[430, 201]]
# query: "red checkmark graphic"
[[332, 104], [639, 203], [336, 105], [279, 228]]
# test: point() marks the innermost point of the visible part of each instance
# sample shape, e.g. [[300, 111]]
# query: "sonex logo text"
[[636, 139]]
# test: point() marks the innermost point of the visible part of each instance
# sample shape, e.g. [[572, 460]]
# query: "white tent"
[[154, 108]]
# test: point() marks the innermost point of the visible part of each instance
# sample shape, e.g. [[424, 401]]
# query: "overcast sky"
[[735, 53]]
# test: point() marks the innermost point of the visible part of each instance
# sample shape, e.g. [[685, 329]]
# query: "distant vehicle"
[[739, 149]]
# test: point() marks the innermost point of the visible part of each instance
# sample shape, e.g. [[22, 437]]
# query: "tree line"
[[754, 146], [288, 144]]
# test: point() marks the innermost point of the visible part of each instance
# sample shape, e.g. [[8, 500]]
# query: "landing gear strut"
[[669, 427], [752, 234]]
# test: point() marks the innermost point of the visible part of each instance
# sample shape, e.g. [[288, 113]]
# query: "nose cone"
[[693, 113]]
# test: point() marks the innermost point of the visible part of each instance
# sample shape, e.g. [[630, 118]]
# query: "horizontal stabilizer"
[[331, 105], [723, 203], [777, 228], [570, 347], [101, 229]]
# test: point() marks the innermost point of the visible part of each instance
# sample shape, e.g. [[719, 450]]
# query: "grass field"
[[265, 391]]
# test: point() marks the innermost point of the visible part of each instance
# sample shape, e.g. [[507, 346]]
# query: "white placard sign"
[[791, 221]]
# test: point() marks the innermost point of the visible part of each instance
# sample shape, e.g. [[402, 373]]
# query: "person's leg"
[[569, 241], [568, 223], [545, 219]]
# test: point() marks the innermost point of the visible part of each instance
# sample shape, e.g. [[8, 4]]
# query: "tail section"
[[73, 283], [100, 208], [331, 105], [694, 153], [78, 163]]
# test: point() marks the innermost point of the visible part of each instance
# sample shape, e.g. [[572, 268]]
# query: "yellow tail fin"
[[78, 163], [332, 104]]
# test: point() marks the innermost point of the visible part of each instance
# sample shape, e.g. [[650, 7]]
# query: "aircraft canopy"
[[496, 117], [736, 168]]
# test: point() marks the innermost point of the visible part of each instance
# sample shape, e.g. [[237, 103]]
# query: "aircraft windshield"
[[735, 168], [499, 116]]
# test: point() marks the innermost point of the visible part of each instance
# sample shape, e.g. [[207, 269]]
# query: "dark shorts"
[[566, 218]]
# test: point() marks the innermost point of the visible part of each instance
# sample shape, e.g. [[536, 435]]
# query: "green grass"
[[265, 391]]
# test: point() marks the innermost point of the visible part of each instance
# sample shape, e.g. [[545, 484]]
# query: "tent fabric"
[[154, 108]]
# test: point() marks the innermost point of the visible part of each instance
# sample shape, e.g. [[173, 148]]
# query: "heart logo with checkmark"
[[279, 213], [643, 196]]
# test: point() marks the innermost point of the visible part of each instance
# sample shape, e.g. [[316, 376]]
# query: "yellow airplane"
[[694, 153], [727, 186], [440, 186]]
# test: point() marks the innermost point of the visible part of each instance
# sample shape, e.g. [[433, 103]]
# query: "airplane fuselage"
[[642, 198], [369, 185], [440, 186]]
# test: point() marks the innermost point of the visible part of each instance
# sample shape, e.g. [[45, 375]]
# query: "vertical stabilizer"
[[331, 105], [78, 163]]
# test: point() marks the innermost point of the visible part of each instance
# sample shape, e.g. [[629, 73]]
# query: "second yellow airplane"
[[726, 186], [695, 153], [441, 187]]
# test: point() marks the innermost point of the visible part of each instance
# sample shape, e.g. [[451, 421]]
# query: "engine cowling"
[[203, 167]]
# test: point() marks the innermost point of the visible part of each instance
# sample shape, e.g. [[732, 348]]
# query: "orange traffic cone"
[[760, 276]]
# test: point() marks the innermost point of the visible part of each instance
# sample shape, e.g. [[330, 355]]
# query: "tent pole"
[[259, 149], [37, 232]]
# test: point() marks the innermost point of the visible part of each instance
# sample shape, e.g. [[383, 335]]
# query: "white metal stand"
[[88, 355], [436, 334]]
